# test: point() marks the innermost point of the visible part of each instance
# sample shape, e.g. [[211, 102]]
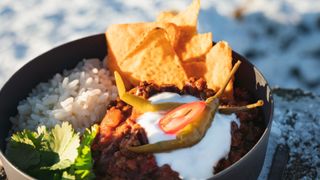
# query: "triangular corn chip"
[[154, 59], [187, 17], [219, 64], [195, 69], [166, 16], [191, 45], [194, 46], [169, 51], [123, 38]]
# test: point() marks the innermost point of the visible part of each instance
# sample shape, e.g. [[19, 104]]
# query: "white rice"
[[79, 96]]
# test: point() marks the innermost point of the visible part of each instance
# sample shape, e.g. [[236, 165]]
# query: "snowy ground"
[[295, 128], [281, 37]]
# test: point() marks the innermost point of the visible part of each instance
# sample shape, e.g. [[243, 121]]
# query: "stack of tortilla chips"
[[169, 51]]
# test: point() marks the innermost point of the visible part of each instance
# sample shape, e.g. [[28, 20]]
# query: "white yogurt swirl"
[[195, 162]]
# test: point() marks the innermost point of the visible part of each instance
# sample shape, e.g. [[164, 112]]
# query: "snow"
[[281, 37], [296, 125]]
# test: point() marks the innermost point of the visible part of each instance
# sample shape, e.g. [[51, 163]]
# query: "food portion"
[[187, 161], [155, 54], [78, 96], [226, 141], [179, 51], [54, 128], [55, 153], [189, 123], [191, 45], [219, 59], [186, 18], [124, 38], [168, 109]]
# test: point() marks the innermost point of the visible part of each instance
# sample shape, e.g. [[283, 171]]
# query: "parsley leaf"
[[21, 149], [63, 141], [82, 168], [46, 152]]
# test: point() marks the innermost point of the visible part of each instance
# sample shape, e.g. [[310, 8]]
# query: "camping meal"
[[162, 105]]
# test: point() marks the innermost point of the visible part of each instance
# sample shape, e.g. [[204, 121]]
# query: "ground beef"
[[114, 161], [247, 135]]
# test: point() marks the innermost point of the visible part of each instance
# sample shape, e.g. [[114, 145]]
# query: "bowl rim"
[[6, 161], [234, 56], [268, 126]]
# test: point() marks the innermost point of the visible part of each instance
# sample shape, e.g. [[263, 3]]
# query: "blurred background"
[[281, 37]]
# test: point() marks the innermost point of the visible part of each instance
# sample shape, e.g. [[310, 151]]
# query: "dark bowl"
[[68, 55]]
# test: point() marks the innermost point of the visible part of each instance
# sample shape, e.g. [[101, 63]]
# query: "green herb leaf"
[[21, 150], [82, 168], [44, 153], [64, 141], [62, 164], [67, 176]]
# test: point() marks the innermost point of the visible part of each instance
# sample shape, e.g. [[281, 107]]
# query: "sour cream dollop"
[[195, 162]]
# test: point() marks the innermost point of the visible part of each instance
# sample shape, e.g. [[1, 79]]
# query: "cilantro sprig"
[[82, 168], [53, 154]]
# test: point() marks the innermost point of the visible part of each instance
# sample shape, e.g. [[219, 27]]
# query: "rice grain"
[[79, 96]]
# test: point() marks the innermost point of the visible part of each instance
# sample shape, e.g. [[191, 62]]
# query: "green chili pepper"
[[140, 104], [192, 133], [230, 110]]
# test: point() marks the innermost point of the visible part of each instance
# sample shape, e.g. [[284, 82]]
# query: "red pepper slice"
[[181, 116]]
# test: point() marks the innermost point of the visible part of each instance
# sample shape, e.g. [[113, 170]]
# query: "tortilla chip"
[[166, 16], [187, 17], [194, 46], [195, 69], [190, 45], [123, 38], [154, 59], [169, 51], [219, 64]]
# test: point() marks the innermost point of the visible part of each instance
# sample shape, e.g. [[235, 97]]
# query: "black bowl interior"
[[68, 55]]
